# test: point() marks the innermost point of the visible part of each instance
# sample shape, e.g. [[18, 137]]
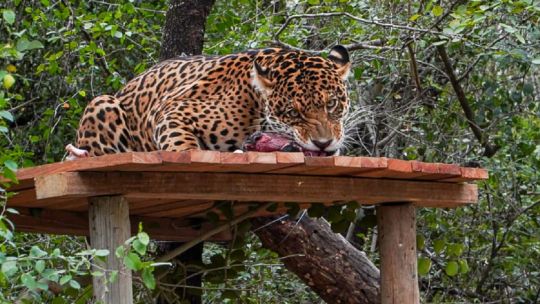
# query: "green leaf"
[[29, 281], [102, 252], [9, 16], [455, 249], [6, 115], [463, 266], [120, 251], [536, 61], [438, 245], [148, 278], [358, 73], [441, 42], [24, 44], [40, 266], [74, 284], [451, 268], [132, 261], [143, 238], [519, 37], [509, 29], [139, 247], [437, 10], [424, 265], [36, 252], [65, 279], [97, 274], [9, 268], [11, 165], [414, 17], [420, 242]]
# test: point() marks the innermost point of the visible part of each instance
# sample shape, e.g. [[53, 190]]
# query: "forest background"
[[437, 81]]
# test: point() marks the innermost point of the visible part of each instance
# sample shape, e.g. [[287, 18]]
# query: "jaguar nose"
[[322, 144]]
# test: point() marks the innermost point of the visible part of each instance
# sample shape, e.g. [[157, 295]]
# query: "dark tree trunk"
[[183, 34], [328, 263], [184, 27]]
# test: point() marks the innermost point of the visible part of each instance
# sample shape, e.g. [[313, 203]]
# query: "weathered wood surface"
[[175, 185], [109, 228], [252, 187], [397, 246], [256, 162]]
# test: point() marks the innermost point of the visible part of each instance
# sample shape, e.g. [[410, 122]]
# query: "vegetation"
[[439, 81]]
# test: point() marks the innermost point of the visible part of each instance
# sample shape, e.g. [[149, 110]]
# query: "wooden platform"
[[171, 193]]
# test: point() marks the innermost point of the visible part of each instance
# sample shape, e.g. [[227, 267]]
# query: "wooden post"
[[397, 243], [109, 228]]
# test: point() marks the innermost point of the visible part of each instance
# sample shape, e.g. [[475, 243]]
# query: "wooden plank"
[[121, 161], [435, 171], [258, 162], [253, 187], [396, 168], [397, 246], [335, 165], [212, 161], [469, 175], [179, 209], [189, 161], [27, 198], [37, 220], [109, 229]]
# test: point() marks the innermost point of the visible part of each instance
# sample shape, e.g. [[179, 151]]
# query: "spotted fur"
[[216, 102]]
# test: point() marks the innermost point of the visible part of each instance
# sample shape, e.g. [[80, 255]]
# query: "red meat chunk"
[[271, 142]]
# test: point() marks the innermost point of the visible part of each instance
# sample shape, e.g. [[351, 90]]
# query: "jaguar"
[[215, 103]]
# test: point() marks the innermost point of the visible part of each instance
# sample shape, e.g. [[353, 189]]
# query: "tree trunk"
[[183, 32], [328, 263]]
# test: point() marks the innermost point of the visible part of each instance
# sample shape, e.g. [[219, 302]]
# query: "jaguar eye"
[[293, 113], [331, 104]]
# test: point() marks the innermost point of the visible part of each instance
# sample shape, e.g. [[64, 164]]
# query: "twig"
[[414, 69], [356, 18], [175, 252]]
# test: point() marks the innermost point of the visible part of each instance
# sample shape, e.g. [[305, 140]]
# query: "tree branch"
[[489, 150], [184, 247], [359, 19]]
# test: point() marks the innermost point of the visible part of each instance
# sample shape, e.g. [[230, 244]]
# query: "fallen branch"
[[324, 260]]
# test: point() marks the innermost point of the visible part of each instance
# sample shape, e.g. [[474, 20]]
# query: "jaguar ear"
[[340, 56], [261, 78]]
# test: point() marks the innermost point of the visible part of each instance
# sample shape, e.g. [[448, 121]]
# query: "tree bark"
[[324, 260], [183, 33]]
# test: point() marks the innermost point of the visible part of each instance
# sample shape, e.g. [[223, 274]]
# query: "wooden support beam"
[[397, 247], [109, 228], [253, 187], [38, 220]]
